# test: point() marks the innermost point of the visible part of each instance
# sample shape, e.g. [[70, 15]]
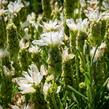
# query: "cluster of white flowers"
[[93, 12], [30, 79], [11, 9], [53, 34], [80, 25]]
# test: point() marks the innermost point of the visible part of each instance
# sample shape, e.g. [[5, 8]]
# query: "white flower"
[[93, 15], [46, 87], [26, 88], [50, 38], [52, 26], [71, 24], [80, 25], [31, 78], [31, 18], [15, 7]]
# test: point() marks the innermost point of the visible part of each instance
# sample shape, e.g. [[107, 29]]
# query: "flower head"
[[80, 25], [15, 7], [93, 15], [50, 38], [71, 24], [31, 18], [30, 79], [52, 26]]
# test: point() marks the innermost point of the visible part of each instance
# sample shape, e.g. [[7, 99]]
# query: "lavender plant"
[[54, 54]]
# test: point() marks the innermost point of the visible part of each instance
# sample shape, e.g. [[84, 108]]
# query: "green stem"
[[55, 62], [89, 84], [73, 35], [3, 37], [67, 73], [46, 8], [69, 6]]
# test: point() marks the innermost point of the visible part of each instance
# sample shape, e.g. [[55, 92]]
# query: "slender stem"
[[55, 62], [46, 8]]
